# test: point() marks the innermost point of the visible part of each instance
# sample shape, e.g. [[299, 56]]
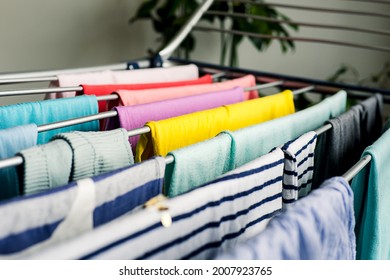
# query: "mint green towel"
[[201, 163], [194, 160], [257, 140], [371, 189], [48, 111]]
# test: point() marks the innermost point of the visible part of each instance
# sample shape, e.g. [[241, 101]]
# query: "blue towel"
[[32, 220], [372, 197], [205, 161], [12, 141], [319, 226], [194, 225], [48, 111]]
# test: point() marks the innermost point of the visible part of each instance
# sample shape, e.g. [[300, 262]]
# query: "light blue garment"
[[48, 111], [372, 202], [194, 158], [233, 208], [30, 221], [247, 144], [319, 226], [12, 141]]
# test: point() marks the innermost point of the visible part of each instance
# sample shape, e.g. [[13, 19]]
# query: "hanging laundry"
[[134, 97], [317, 227], [298, 167], [49, 111], [254, 141], [340, 147], [371, 198], [12, 141], [42, 220], [193, 164], [149, 75], [170, 134], [132, 117], [45, 167], [195, 225], [74, 156], [100, 90]]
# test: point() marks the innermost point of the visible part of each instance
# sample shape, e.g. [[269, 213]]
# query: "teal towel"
[[95, 153], [45, 167], [12, 141], [194, 160], [48, 111], [255, 141], [372, 197], [201, 163]]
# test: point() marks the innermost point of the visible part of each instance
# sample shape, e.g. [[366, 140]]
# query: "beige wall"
[[47, 34]]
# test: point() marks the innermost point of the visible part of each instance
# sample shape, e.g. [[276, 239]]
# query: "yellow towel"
[[174, 133]]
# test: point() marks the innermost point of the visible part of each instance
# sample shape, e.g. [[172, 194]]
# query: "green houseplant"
[[168, 16]]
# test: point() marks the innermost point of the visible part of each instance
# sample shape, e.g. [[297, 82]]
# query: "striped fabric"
[[33, 220], [233, 208], [298, 167]]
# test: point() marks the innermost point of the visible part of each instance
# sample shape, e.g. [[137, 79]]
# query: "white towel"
[[139, 76]]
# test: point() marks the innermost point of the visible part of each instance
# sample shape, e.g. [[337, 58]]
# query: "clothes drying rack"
[[163, 58]]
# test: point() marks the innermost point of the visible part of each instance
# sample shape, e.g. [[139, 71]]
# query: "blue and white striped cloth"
[[34, 222], [319, 226], [233, 208], [298, 167]]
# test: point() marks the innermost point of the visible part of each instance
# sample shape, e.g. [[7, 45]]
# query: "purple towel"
[[131, 117]]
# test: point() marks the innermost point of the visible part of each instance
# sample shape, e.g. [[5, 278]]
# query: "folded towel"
[[48, 111], [132, 117], [12, 141], [170, 134], [317, 227]]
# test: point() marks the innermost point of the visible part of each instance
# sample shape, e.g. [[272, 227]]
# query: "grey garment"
[[95, 153], [340, 148], [371, 119], [45, 166]]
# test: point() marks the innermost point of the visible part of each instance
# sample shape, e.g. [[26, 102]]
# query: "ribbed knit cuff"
[[46, 166], [98, 152]]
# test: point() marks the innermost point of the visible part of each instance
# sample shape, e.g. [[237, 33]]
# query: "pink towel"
[[131, 117], [134, 97], [149, 75]]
